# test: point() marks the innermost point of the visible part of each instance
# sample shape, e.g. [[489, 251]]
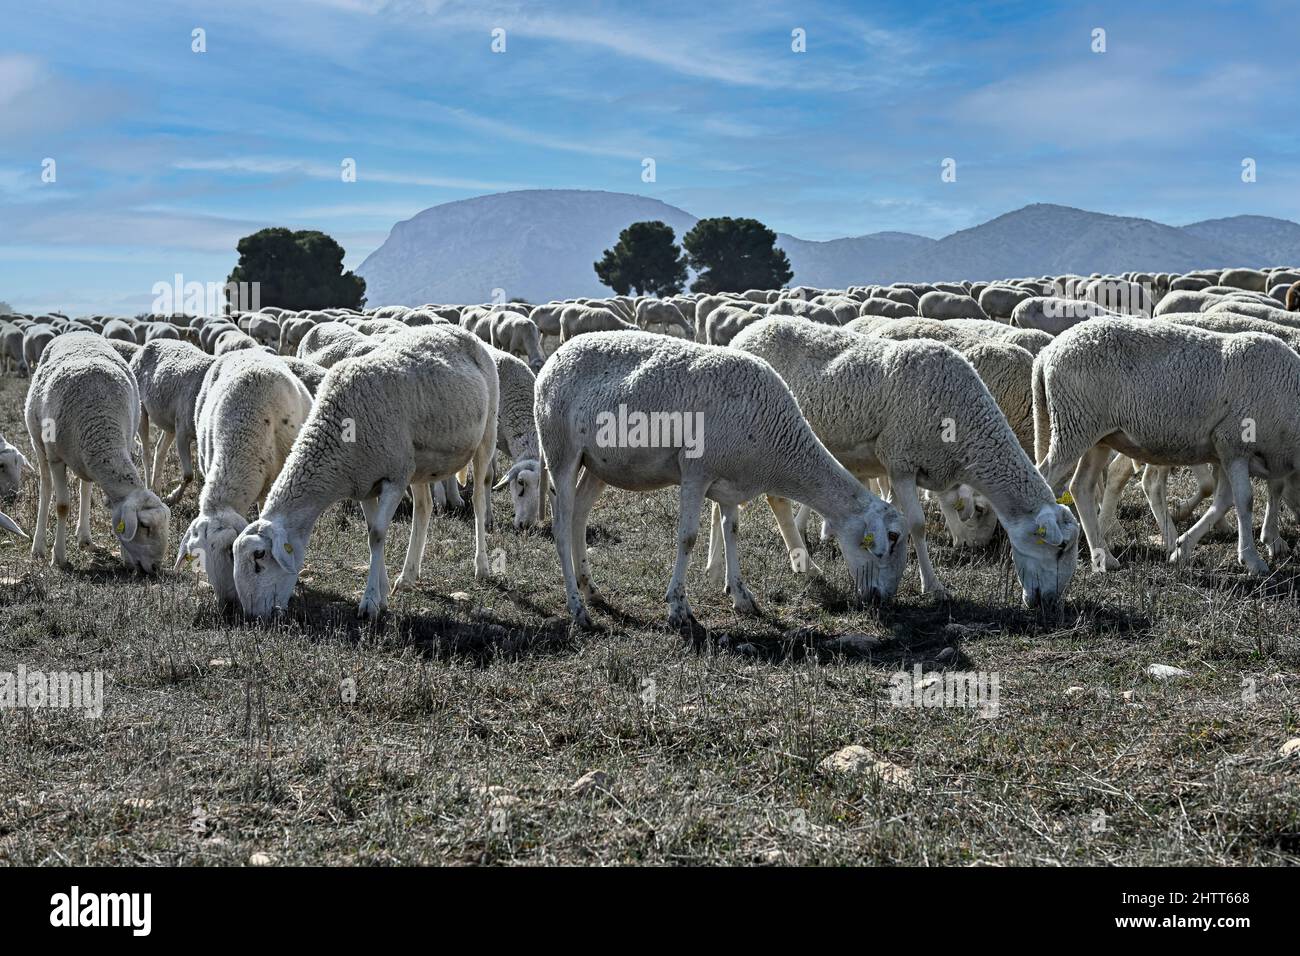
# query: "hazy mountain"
[[1260, 239], [541, 244]]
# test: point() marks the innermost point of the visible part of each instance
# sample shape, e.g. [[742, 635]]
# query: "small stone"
[[590, 781], [261, 859], [1164, 672], [1127, 695], [138, 803], [1076, 689], [221, 662], [459, 596], [1290, 748], [855, 759]]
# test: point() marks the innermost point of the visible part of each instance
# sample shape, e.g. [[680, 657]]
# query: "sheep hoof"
[[1103, 561], [742, 602], [371, 607], [1255, 566], [403, 583], [1277, 549], [83, 542], [1180, 553], [683, 619], [578, 611], [482, 570]]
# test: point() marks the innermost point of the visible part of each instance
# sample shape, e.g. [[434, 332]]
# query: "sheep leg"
[[903, 490], [481, 495], [741, 600], [184, 437], [787, 524], [952, 517], [145, 457], [43, 502], [1083, 488], [714, 566], [59, 475], [566, 481], [83, 516], [589, 489], [154, 465], [1204, 475], [379, 515], [1219, 504], [680, 615], [1118, 475], [421, 510], [1270, 536], [1155, 480], [1239, 480], [801, 522]]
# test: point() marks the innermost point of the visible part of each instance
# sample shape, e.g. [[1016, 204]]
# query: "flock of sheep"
[[846, 404]]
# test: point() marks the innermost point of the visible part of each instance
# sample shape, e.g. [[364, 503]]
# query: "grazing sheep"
[[35, 341], [1254, 310], [1107, 385], [169, 375], [13, 465], [265, 330], [517, 334], [940, 304], [1252, 280], [292, 330], [83, 413], [11, 348], [725, 323], [886, 408], [309, 373], [887, 308], [370, 435], [581, 319], [999, 301], [757, 443], [1053, 314], [249, 410], [517, 437], [665, 315], [329, 343], [233, 340], [1032, 341]]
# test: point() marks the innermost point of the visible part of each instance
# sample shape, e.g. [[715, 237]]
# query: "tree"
[[732, 255], [6, 308], [646, 259], [298, 270]]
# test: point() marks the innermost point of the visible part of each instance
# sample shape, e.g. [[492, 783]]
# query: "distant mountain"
[[540, 244], [1260, 239]]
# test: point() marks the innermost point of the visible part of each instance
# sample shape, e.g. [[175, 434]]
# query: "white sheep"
[[517, 437], [716, 422], [582, 319], [949, 305], [1107, 384], [1055, 314], [329, 343], [916, 412], [370, 435], [13, 465], [169, 375], [83, 414], [249, 410], [517, 334]]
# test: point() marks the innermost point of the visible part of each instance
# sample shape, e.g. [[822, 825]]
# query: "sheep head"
[[140, 524], [13, 465], [525, 484], [267, 564], [1045, 547], [873, 543], [208, 546]]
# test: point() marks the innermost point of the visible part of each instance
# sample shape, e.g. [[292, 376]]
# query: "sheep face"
[[12, 466], [874, 544], [1045, 548], [524, 482], [267, 565], [208, 546], [140, 523]]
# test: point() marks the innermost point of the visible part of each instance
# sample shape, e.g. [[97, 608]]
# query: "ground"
[[454, 730]]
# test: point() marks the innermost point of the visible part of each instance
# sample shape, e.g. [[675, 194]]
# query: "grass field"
[[454, 731]]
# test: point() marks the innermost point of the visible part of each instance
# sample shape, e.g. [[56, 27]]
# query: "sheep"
[[13, 465], [1252, 280], [169, 375], [292, 330], [331, 342], [35, 341], [664, 314], [941, 304], [82, 414], [1293, 298], [999, 301], [517, 437], [1032, 341], [1053, 314], [886, 308], [886, 408], [580, 319], [120, 330], [209, 332], [249, 410], [1254, 310], [11, 348], [758, 443], [160, 330], [414, 410], [725, 323], [515, 333], [265, 330], [309, 373], [233, 340], [1106, 384]]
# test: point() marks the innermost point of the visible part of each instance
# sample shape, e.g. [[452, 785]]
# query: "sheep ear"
[[502, 483], [190, 542], [127, 523], [286, 554], [10, 525]]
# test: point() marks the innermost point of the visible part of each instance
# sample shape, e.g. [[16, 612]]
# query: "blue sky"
[[165, 156]]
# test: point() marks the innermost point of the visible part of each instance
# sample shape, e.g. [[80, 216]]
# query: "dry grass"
[[221, 740]]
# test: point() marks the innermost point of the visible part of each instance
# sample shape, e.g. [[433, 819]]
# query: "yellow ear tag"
[[121, 527], [1041, 531], [1065, 499], [960, 504], [189, 558], [288, 547], [868, 539]]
